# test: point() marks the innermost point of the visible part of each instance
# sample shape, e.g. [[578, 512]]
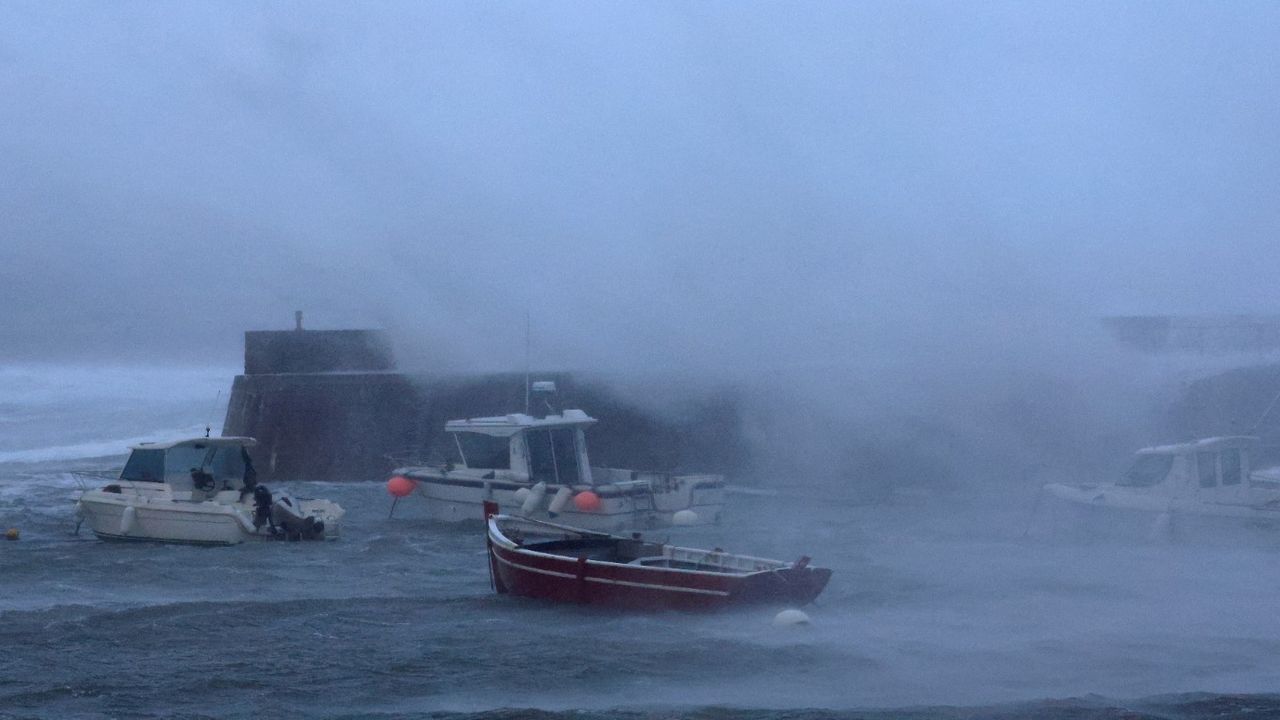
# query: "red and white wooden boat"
[[544, 560]]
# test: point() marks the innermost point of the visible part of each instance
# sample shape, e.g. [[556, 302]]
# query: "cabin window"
[[1147, 470], [227, 462], [1231, 467], [485, 451], [144, 466], [223, 462], [181, 460], [553, 455], [566, 454], [1207, 464]]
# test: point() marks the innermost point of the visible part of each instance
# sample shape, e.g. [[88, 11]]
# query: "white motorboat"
[[537, 466], [200, 491], [1212, 477]]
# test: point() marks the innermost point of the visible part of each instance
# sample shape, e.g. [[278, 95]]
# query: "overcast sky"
[[654, 183]]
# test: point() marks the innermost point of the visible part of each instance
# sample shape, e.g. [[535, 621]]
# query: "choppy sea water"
[[939, 608]]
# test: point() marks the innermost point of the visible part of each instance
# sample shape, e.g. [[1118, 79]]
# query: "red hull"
[[580, 580]]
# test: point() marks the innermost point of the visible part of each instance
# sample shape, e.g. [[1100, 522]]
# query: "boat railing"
[[145, 489], [698, 477], [617, 476], [507, 523], [97, 474], [625, 484], [84, 477], [415, 457]]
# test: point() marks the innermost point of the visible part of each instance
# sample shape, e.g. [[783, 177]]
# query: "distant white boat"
[[200, 491], [1210, 477], [538, 467]]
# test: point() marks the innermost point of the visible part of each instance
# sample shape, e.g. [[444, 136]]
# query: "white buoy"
[[535, 498], [522, 494], [790, 618], [684, 517], [560, 500], [128, 519], [79, 510]]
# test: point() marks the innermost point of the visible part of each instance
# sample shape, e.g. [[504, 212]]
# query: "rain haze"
[[890, 230]]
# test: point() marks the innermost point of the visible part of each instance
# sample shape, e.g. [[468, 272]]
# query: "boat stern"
[[797, 584]]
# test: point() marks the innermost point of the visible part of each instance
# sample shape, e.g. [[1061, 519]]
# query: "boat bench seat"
[[605, 550]]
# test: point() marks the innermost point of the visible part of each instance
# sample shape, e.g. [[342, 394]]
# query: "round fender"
[[128, 520]]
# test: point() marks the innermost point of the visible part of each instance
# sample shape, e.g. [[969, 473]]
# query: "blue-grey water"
[[939, 607]]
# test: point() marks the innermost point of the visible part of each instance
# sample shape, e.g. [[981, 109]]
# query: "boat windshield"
[[223, 462], [484, 451], [1147, 470], [144, 466]]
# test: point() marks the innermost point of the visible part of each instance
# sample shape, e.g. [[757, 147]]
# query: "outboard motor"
[[262, 508]]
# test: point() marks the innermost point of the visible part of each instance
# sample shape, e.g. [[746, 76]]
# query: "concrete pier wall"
[[328, 405]]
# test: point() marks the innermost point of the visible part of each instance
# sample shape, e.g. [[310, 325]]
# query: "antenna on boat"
[[208, 425], [527, 333], [1264, 415]]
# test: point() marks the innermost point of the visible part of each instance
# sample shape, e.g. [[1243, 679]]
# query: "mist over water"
[[885, 231], [937, 599]]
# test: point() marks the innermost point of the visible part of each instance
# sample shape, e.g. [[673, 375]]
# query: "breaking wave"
[[93, 448]]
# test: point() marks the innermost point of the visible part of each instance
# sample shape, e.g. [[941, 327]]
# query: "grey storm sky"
[[651, 182]]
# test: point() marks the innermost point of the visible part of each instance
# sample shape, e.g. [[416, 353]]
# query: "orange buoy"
[[586, 501], [400, 486]]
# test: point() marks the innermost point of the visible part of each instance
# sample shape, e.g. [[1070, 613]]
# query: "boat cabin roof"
[[508, 425], [1202, 445], [206, 441]]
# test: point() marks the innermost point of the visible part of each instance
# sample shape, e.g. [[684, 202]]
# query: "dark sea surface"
[[939, 607]]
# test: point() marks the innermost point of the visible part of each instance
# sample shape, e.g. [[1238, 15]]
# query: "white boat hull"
[[1106, 512], [125, 517], [1117, 498], [205, 523]]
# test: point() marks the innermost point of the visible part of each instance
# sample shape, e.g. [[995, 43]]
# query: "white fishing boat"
[[200, 491], [538, 466], [1212, 477]]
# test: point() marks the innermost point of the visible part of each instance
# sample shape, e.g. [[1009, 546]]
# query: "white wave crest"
[[94, 448]]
